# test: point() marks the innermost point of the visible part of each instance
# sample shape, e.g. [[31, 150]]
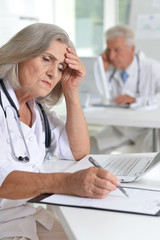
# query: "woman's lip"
[[46, 83]]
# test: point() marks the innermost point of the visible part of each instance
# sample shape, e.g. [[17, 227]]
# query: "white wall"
[[109, 14], [16, 14], [64, 16], [145, 20]]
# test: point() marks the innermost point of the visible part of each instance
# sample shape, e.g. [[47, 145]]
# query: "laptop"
[[128, 167], [111, 104]]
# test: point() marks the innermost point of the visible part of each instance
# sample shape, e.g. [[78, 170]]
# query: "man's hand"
[[105, 60], [124, 99]]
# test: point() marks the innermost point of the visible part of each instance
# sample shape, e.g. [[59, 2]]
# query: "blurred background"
[[86, 20]]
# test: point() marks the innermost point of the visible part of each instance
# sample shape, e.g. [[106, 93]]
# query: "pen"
[[96, 164]]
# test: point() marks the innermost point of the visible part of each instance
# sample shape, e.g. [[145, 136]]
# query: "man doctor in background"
[[133, 79]]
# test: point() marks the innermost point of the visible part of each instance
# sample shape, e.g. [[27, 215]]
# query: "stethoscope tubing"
[[20, 158], [17, 116]]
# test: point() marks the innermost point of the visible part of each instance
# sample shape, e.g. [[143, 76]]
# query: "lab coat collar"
[[132, 66], [11, 92]]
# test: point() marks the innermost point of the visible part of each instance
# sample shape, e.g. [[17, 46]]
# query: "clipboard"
[[140, 201]]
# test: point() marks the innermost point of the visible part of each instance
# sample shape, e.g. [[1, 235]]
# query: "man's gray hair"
[[121, 31], [29, 43]]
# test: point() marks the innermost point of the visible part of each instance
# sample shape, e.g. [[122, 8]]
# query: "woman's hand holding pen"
[[92, 182]]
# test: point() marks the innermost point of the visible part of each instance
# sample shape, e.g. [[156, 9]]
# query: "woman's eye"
[[60, 68], [46, 59]]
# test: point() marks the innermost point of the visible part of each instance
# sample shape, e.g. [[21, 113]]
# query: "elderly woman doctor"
[[37, 65]]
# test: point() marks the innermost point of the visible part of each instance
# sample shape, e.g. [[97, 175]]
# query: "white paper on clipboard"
[[140, 201]]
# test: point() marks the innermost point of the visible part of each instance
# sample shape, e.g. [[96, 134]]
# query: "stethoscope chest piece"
[[23, 159]]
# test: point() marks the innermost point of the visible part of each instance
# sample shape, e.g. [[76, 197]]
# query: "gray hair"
[[121, 30], [29, 43]]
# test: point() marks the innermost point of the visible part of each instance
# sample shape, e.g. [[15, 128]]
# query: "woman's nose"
[[52, 72]]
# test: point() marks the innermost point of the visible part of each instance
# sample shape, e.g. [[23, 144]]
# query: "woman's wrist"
[[56, 183], [72, 96]]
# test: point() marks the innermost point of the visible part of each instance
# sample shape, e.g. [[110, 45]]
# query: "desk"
[[120, 117], [116, 116], [127, 118], [123, 117], [87, 224]]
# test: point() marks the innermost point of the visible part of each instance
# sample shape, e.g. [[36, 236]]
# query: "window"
[[123, 11], [87, 20], [89, 26]]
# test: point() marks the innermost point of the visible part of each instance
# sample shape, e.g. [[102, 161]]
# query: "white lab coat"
[[18, 218], [149, 91]]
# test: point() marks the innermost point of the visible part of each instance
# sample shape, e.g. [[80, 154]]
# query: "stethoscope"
[[138, 74], [17, 116]]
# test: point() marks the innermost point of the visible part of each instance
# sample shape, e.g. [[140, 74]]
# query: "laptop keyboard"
[[127, 165]]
